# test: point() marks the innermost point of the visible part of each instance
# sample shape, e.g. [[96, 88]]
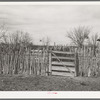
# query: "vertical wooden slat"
[[50, 61], [33, 64], [44, 61], [47, 63], [0, 64], [76, 64]]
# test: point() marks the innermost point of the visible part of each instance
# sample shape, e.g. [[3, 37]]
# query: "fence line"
[[38, 62], [26, 63], [89, 62]]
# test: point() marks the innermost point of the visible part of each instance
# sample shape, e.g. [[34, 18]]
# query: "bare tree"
[[20, 37], [18, 41], [3, 37], [3, 30], [78, 35], [93, 43]]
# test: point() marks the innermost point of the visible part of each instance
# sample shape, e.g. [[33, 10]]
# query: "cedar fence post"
[[76, 64], [50, 63]]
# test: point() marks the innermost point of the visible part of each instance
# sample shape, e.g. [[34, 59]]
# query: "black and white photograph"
[[50, 46]]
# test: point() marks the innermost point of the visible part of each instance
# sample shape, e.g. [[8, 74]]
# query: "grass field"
[[48, 83]]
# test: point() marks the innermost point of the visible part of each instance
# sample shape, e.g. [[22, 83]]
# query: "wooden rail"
[[65, 63]]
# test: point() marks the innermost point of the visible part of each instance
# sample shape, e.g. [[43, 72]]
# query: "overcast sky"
[[50, 20]]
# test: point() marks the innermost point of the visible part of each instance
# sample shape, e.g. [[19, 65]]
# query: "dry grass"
[[48, 83]]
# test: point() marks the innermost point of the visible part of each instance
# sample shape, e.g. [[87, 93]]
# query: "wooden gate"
[[63, 63]]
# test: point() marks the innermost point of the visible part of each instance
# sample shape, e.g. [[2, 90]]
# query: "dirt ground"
[[48, 83]]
